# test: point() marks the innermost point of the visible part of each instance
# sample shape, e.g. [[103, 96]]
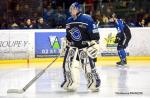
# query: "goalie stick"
[[20, 91]]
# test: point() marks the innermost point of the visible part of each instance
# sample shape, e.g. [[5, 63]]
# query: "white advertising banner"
[[107, 45], [139, 44], [14, 44]]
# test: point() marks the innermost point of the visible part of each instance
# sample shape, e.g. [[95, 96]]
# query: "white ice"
[[131, 82]]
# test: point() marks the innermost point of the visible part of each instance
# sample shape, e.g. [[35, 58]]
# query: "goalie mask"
[[76, 6]]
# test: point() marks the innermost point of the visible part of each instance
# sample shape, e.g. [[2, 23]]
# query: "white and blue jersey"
[[81, 29]]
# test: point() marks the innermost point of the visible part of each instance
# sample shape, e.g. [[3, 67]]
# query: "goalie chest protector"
[[81, 29]]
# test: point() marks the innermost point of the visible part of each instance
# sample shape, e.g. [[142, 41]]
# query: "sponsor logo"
[[54, 43], [110, 40]]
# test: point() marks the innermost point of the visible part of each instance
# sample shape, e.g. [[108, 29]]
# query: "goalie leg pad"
[[88, 66], [71, 70]]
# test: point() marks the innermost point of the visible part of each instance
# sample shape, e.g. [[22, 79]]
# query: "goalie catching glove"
[[93, 49]]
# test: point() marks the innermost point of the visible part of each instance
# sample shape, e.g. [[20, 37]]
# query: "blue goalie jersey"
[[81, 29]]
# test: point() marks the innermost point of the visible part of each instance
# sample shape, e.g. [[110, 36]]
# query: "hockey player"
[[82, 45], [122, 38]]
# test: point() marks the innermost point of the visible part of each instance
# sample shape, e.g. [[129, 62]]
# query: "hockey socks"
[[122, 55]]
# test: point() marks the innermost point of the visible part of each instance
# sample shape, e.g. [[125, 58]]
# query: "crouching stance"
[[82, 46]]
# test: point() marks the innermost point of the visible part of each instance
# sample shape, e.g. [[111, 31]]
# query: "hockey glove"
[[117, 39], [93, 49]]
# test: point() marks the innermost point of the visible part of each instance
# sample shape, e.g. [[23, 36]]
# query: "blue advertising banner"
[[48, 44]]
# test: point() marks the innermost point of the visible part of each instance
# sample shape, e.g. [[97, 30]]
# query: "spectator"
[[146, 19], [34, 23], [49, 15], [60, 18], [3, 25], [41, 24], [140, 23], [26, 11], [148, 24], [48, 12], [97, 18], [14, 25], [105, 19], [28, 24], [89, 6]]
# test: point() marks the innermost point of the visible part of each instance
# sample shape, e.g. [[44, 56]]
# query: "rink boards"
[[20, 45]]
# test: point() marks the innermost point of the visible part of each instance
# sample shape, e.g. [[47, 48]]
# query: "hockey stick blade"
[[18, 91]]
